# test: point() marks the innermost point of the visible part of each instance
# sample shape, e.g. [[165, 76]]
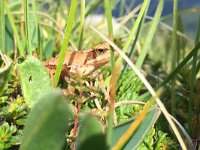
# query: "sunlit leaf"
[[90, 134], [34, 79], [47, 124], [140, 133]]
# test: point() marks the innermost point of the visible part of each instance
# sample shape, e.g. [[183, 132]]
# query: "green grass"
[[2, 27], [150, 35], [65, 41], [37, 28], [193, 79], [135, 27], [27, 26], [108, 14], [17, 38], [82, 23], [174, 56]]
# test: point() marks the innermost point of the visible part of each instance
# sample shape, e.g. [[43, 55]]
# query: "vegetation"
[[154, 104]]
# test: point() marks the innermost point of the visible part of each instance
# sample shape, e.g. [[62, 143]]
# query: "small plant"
[[15, 111], [8, 136]]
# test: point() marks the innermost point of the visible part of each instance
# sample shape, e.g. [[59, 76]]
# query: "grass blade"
[[133, 32], [65, 43], [150, 34], [37, 28], [193, 79], [174, 56], [132, 51], [19, 45], [108, 13], [90, 8], [121, 7], [27, 26], [82, 23], [2, 27]]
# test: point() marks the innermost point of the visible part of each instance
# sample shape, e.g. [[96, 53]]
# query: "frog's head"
[[99, 55]]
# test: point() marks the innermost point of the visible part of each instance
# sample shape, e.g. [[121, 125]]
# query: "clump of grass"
[[49, 32], [65, 41]]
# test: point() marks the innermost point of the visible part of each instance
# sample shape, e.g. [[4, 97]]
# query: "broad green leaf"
[[4, 70], [90, 134], [34, 79], [140, 133], [47, 124]]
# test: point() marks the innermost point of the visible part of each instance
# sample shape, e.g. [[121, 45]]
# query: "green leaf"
[[90, 134], [47, 124], [139, 135], [34, 79], [4, 71]]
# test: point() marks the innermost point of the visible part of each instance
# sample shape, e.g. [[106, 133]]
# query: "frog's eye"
[[100, 51]]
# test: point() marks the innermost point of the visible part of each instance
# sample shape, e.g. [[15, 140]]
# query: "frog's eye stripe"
[[91, 56]]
